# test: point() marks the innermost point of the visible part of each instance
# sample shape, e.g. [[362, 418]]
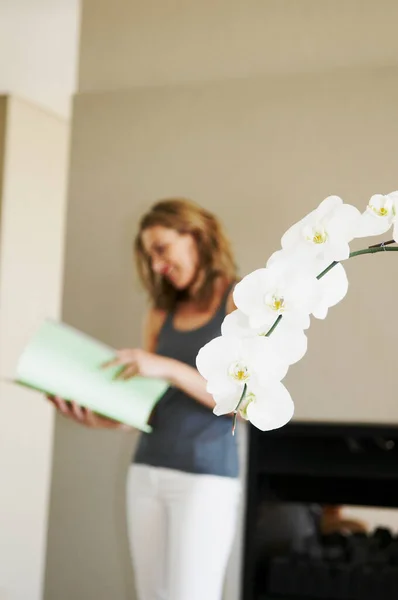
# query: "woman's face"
[[173, 255]]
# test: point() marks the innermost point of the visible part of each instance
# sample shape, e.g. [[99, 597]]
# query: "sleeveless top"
[[186, 435]]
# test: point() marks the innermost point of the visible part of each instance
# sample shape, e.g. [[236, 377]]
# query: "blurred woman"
[[183, 487]]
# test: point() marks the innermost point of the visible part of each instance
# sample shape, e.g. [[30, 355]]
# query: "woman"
[[183, 488]]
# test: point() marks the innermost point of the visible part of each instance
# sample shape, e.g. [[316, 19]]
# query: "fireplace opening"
[[321, 518]]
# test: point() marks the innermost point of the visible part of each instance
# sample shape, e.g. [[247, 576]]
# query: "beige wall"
[[261, 152], [157, 42], [32, 198], [38, 51], [3, 119]]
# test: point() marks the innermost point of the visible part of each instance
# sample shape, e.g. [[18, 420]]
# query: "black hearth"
[[293, 474]]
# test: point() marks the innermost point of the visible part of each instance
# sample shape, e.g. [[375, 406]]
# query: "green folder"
[[61, 361]]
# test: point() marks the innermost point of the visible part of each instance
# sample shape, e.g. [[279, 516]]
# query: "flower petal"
[[220, 385], [226, 405], [303, 293], [213, 362], [290, 262], [370, 224], [339, 250], [327, 206], [249, 297], [344, 222], [334, 287], [215, 356], [267, 364], [272, 408], [236, 324], [290, 342]]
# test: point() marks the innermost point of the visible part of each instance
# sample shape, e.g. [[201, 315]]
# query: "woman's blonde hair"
[[214, 249]]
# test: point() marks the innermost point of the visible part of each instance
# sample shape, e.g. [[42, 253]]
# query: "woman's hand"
[[140, 362], [84, 416], [135, 361]]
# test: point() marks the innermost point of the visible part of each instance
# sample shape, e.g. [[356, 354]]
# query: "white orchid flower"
[[266, 407], [380, 215], [288, 341], [325, 232], [332, 287], [277, 290], [228, 363]]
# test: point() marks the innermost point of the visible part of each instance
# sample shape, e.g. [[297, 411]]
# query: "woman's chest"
[[185, 345], [186, 319]]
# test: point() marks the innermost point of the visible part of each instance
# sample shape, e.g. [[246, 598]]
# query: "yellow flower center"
[[381, 206], [382, 211], [315, 234], [275, 302], [239, 372], [319, 237]]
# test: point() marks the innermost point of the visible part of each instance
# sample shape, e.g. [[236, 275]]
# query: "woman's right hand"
[[84, 416]]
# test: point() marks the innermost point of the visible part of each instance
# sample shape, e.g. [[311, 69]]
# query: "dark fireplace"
[[297, 544]]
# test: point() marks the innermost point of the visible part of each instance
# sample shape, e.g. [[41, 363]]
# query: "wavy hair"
[[214, 249]]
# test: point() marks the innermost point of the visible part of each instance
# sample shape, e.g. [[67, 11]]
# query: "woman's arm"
[[179, 374], [189, 380]]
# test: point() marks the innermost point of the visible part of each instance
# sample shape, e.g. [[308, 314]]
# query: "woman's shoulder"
[[223, 295], [156, 317]]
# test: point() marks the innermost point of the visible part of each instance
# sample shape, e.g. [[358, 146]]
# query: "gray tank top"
[[186, 435]]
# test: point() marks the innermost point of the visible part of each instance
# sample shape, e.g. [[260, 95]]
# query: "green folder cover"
[[60, 360]]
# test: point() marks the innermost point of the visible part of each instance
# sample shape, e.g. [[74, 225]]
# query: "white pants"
[[181, 529]]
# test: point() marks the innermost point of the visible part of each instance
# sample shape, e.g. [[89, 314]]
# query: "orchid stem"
[[237, 408], [273, 326], [371, 250], [328, 268], [387, 243]]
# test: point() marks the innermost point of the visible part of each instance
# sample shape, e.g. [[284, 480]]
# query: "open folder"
[[62, 361]]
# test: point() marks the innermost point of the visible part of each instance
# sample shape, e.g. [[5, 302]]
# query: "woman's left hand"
[[139, 362]]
